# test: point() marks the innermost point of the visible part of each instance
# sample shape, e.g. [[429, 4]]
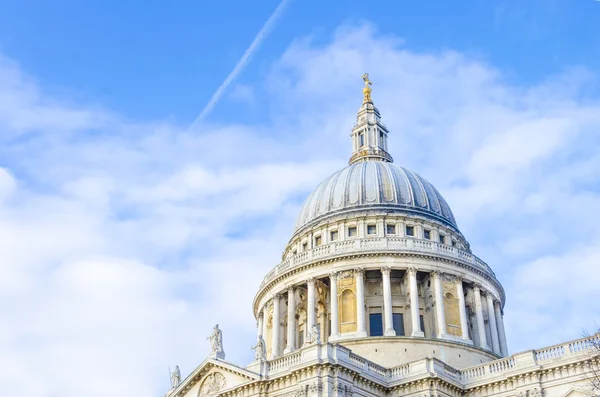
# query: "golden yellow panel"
[[452, 312], [347, 311], [269, 337]]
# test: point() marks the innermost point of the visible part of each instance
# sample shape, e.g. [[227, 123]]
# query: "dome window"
[[334, 235], [427, 234], [391, 229], [442, 238], [410, 231], [304, 246], [361, 139], [371, 229], [352, 231], [317, 241]]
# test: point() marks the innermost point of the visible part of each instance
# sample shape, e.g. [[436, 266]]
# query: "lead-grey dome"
[[376, 185]]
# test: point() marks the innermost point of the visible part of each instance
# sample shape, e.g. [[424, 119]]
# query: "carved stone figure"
[[314, 336], [212, 384], [175, 377], [260, 349], [216, 343]]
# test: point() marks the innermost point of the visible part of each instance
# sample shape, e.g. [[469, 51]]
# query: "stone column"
[[414, 303], [310, 303], [335, 329], [462, 309], [493, 325], [276, 322], [440, 315], [291, 320], [259, 324], [265, 322], [501, 333], [479, 314], [359, 275], [387, 302]]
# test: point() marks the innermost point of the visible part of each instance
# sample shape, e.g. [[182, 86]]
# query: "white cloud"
[[120, 239]]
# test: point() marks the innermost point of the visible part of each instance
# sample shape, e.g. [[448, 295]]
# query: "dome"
[[377, 264], [377, 185]]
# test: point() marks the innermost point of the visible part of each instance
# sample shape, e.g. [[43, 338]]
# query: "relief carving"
[[212, 384]]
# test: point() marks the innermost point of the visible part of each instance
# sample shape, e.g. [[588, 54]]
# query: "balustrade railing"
[[289, 360], [376, 243], [358, 360], [496, 369], [501, 365], [530, 359], [550, 353], [593, 342], [399, 372]]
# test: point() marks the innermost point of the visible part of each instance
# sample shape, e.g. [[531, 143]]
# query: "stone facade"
[[379, 294]]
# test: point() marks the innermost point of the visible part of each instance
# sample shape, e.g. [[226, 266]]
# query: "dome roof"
[[375, 185]]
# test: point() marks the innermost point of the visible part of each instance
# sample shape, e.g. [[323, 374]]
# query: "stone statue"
[[260, 350], [175, 377], [216, 343], [315, 335]]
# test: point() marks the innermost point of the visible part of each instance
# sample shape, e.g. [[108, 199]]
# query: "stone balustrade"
[[467, 377], [386, 244], [529, 360]]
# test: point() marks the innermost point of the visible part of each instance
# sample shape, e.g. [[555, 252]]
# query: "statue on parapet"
[[216, 343], [175, 377], [260, 349]]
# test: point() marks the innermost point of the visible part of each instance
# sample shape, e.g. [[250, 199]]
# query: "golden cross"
[[367, 89], [365, 78]]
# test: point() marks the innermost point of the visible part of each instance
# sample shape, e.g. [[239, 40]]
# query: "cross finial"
[[367, 90], [365, 78]]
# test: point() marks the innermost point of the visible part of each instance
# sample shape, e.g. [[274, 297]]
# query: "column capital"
[[412, 271], [359, 271], [386, 270], [437, 273], [477, 287], [276, 296], [310, 280], [458, 279], [291, 288], [333, 275]]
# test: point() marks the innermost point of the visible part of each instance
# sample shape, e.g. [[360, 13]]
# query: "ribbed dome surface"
[[375, 184]]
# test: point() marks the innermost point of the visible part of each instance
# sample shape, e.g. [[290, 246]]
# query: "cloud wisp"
[[242, 63]]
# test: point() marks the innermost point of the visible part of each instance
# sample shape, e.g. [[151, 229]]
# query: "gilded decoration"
[[367, 89]]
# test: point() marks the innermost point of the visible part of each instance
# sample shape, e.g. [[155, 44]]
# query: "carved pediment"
[[212, 384], [213, 377]]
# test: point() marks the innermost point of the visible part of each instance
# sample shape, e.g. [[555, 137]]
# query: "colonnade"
[[496, 324]]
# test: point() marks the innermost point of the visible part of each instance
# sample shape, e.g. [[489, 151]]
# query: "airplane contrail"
[[243, 62]]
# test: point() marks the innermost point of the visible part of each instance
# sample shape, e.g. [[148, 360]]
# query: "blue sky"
[[159, 60], [125, 234]]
